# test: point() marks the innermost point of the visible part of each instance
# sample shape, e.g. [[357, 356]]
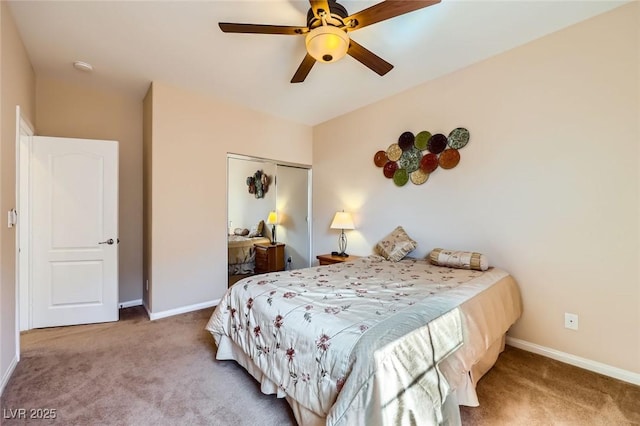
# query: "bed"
[[369, 341], [242, 254]]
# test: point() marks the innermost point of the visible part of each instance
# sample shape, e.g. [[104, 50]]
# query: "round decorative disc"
[[449, 158], [410, 160], [429, 163], [380, 159], [458, 138], [400, 177], [419, 177], [406, 141], [394, 152], [389, 169], [421, 140], [437, 143]]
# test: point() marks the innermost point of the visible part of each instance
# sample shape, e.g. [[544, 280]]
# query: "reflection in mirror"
[[255, 188]]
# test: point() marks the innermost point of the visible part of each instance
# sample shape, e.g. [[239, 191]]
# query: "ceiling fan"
[[327, 32]]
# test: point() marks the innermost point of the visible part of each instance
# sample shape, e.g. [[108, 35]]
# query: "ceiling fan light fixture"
[[327, 43]]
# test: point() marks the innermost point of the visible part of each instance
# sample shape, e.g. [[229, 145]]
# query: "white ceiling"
[[131, 43]]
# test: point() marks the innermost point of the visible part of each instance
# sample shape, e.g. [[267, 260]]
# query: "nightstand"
[[329, 259], [269, 258]]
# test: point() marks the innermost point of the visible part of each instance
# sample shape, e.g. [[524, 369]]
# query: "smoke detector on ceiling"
[[83, 66]]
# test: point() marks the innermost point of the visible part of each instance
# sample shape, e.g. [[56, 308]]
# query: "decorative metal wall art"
[[414, 157], [258, 183]]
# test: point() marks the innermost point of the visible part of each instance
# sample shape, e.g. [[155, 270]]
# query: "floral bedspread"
[[302, 328]]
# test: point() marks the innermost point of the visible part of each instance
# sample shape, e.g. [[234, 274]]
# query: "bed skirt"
[[242, 268]]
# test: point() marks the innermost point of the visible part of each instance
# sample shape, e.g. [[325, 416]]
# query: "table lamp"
[[272, 220], [342, 221]]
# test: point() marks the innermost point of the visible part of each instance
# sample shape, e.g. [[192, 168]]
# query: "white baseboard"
[[587, 364], [7, 374], [130, 303], [184, 309]]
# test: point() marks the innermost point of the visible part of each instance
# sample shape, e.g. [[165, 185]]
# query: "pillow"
[[396, 245], [241, 231], [256, 231], [459, 259]]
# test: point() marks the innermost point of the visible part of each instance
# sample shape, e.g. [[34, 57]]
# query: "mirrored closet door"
[[265, 196]]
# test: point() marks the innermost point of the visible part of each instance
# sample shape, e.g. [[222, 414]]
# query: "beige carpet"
[[528, 389], [138, 372]]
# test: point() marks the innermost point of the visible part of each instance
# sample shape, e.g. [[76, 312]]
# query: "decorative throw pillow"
[[459, 259], [256, 230], [241, 231], [396, 245]]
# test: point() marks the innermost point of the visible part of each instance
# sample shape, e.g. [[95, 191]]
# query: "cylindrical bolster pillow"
[[459, 259], [241, 231]]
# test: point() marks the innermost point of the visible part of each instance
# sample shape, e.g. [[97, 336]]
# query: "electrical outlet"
[[289, 259], [570, 321]]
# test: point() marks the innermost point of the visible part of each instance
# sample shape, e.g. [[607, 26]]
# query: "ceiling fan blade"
[[228, 27], [368, 58], [303, 70], [317, 5], [385, 10]]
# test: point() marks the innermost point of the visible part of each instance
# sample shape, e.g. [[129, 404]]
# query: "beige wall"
[[17, 87], [548, 186], [191, 136], [66, 109]]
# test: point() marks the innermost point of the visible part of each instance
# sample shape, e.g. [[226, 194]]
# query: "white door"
[[74, 231], [292, 199]]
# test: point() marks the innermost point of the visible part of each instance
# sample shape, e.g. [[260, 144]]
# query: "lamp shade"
[[327, 43], [342, 220], [272, 219]]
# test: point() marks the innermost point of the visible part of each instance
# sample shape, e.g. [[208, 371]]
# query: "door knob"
[[109, 241]]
